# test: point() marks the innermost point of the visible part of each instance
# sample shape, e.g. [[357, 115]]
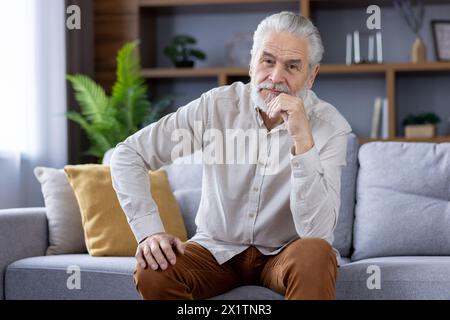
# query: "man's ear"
[[312, 76]]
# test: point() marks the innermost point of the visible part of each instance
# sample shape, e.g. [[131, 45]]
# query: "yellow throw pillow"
[[106, 228]]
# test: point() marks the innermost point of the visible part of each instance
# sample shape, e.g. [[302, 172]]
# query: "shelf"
[[319, 3], [421, 67], [193, 72], [437, 139], [382, 68], [324, 69], [172, 3], [346, 4]]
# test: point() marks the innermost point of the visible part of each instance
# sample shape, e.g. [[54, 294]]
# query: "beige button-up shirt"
[[268, 203]]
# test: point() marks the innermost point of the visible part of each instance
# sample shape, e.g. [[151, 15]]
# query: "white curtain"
[[33, 127]]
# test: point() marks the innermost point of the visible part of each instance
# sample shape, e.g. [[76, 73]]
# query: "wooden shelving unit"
[[223, 75], [305, 4], [437, 139], [324, 69]]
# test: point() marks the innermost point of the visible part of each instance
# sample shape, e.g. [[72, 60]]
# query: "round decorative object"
[[238, 49]]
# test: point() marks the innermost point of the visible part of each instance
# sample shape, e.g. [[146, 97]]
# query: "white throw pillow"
[[65, 230]]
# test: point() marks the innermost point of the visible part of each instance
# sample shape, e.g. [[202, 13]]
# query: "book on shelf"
[[380, 118], [384, 119]]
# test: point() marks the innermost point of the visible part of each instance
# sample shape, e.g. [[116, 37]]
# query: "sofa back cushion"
[[65, 231], [402, 204], [344, 228], [185, 179]]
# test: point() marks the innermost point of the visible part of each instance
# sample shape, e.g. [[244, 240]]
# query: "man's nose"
[[277, 74]]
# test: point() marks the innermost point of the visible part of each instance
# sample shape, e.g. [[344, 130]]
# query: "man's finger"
[[274, 110], [140, 258], [167, 250], [179, 245], [157, 254], [270, 106], [148, 256]]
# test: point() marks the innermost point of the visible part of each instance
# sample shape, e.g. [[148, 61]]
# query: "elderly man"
[[272, 229]]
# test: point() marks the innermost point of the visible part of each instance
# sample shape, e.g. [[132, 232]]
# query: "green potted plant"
[[421, 126], [108, 120], [180, 52]]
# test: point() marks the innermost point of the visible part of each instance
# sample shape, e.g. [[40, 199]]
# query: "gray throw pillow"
[[65, 230], [402, 200]]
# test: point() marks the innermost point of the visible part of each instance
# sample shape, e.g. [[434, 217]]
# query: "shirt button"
[[251, 215], [295, 164], [255, 189]]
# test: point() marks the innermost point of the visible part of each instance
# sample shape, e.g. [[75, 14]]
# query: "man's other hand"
[[157, 251]]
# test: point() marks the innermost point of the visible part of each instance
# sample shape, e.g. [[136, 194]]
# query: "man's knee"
[[311, 270], [143, 277], [315, 254], [155, 284]]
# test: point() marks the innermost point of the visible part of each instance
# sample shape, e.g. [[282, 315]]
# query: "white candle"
[[379, 48], [356, 46], [348, 51], [371, 48]]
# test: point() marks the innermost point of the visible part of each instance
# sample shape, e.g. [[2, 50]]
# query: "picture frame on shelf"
[[441, 39]]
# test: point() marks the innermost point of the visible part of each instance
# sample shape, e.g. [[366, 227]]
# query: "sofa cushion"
[[112, 278], [46, 278], [189, 200], [249, 293], [185, 179], [344, 228], [106, 229], [410, 277], [403, 200], [100, 278], [65, 232]]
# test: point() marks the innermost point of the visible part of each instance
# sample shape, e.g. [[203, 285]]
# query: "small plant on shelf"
[[421, 126], [180, 52]]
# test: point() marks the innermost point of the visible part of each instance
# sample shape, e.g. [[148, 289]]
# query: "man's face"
[[281, 65]]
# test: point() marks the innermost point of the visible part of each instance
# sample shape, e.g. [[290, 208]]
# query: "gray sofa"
[[393, 233]]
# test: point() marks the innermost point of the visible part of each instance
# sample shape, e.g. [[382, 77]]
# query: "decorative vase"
[[419, 51]]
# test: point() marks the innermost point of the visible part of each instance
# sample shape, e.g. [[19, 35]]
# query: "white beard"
[[258, 100]]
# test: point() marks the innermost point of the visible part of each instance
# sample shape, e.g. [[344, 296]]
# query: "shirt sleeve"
[[160, 143], [315, 192]]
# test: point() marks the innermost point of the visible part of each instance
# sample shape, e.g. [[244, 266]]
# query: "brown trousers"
[[305, 269]]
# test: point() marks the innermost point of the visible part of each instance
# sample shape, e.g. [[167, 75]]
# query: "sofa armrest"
[[23, 233]]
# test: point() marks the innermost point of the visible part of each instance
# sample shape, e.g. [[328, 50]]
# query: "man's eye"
[[293, 67], [268, 61]]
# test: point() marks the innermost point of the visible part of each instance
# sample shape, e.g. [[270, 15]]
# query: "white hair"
[[294, 24]]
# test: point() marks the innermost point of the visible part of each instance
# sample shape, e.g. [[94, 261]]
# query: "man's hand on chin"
[[157, 251], [292, 109]]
